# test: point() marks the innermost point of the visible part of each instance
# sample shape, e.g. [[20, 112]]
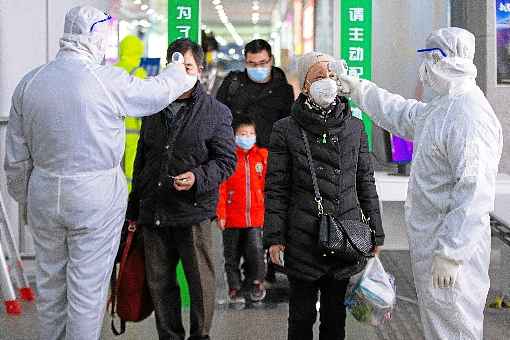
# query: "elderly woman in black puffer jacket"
[[339, 148]]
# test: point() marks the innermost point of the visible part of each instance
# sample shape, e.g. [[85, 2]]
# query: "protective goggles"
[[108, 18], [434, 54]]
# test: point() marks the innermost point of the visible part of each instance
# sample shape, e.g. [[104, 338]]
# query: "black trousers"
[[164, 247], [303, 311], [245, 242]]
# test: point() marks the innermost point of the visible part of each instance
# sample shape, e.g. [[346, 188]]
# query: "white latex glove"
[[348, 84], [338, 67], [179, 81], [444, 272]]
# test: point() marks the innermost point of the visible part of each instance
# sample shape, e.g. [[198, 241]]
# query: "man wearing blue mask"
[[260, 92]]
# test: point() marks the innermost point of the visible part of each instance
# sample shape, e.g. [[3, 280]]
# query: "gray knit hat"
[[306, 61]]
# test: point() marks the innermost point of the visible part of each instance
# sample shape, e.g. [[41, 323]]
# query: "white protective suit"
[[458, 144], [65, 141]]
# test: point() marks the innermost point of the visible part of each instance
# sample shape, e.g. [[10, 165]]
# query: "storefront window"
[[503, 41]]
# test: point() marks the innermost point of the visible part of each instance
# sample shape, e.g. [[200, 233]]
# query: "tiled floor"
[[270, 320]]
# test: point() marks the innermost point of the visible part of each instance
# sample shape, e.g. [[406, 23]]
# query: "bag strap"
[[234, 85], [116, 281], [318, 197]]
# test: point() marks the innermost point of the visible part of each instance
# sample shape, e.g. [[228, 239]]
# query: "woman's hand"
[[377, 250], [274, 253]]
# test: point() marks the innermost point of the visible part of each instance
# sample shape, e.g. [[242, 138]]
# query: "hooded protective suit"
[[458, 144], [65, 140]]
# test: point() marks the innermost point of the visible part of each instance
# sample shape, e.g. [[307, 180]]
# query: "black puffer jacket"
[[346, 181], [265, 103], [204, 145]]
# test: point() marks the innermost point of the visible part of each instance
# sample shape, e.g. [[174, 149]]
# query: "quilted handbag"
[[348, 240]]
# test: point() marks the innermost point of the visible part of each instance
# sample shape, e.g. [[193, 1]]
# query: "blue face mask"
[[258, 74], [245, 143]]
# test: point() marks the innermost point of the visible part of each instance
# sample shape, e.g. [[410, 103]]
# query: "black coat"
[[204, 146], [346, 182], [264, 103]]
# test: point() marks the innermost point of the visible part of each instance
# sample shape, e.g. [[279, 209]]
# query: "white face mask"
[[324, 92], [423, 74], [430, 76]]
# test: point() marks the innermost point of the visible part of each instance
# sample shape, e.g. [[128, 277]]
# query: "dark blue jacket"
[[200, 140]]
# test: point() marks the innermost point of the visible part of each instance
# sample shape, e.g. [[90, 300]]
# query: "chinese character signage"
[[356, 44], [183, 19], [503, 40]]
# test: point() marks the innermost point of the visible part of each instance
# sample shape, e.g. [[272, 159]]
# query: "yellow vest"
[[131, 50]]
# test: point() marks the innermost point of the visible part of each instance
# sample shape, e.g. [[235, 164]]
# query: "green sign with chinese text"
[[356, 44], [184, 20]]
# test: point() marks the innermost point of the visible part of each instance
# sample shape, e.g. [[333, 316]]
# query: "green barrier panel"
[[183, 284]]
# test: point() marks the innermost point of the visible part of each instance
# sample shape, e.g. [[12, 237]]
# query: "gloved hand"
[[338, 67], [179, 81], [347, 84], [444, 272]]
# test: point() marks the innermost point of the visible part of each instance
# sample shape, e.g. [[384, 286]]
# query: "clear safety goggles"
[[95, 27], [434, 55]]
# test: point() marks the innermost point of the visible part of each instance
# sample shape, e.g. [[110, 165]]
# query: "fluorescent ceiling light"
[[221, 40]]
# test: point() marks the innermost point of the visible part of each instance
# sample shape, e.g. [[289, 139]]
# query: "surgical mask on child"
[[324, 92], [246, 142], [258, 74]]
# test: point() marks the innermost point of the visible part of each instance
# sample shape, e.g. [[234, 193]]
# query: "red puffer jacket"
[[241, 201]]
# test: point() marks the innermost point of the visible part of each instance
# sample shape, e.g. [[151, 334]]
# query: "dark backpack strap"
[[234, 85], [318, 197]]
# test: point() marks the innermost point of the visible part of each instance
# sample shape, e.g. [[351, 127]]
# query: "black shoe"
[[236, 300], [258, 292]]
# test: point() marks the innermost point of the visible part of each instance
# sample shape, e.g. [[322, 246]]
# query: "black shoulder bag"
[[347, 240]]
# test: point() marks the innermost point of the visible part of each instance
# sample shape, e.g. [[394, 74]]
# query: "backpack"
[[130, 297]]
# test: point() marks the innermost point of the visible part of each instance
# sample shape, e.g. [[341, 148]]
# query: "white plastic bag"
[[371, 295]]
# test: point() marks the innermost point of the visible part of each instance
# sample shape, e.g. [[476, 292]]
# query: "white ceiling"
[[240, 15], [238, 11]]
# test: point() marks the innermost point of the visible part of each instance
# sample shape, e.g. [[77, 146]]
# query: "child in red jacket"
[[240, 214]]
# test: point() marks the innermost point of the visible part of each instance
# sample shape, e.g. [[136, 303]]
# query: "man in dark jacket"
[[183, 155], [261, 91]]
